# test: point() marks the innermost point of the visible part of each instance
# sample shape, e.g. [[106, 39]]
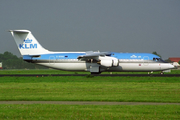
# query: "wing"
[[93, 55]]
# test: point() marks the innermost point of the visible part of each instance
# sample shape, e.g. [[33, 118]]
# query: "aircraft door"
[[52, 60], [146, 60]]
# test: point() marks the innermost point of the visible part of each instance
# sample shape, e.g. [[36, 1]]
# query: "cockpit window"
[[156, 59]]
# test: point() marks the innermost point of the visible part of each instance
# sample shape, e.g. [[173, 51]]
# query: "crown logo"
[[133, 56], [28, 40]]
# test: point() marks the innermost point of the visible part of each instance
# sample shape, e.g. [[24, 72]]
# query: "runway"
[[102, 75], [85, 103]]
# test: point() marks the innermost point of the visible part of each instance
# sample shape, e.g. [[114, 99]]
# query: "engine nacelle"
[[109, 61], [115, 62]]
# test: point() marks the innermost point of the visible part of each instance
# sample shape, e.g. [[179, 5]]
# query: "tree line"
[[10, 61]]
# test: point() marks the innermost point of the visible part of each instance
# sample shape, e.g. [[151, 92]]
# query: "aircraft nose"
[[167, 66], [171, 66]]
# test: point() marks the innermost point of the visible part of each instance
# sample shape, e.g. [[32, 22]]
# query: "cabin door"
[[51, 60], [146, 60]]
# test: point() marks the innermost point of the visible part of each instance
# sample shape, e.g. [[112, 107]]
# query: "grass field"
[[132, 89], [52, 71], [89, 112]]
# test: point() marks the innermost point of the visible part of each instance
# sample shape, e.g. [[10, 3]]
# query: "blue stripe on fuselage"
[[134, 55], [75, 55], [55, 55]]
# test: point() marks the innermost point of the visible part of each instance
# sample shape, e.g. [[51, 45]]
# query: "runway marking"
[[85, 103]]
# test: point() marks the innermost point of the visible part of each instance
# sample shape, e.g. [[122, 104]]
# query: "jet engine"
[[108, 61]]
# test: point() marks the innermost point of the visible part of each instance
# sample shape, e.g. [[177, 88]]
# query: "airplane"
[[90, 61]]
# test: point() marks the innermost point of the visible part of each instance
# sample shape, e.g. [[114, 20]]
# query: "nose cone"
[[167, 66], [171, 66]]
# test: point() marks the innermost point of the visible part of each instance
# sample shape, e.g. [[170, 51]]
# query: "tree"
[[155, 53], [168, 60], [11, 61]]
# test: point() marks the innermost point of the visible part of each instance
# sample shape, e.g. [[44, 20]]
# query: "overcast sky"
[[104, 25]]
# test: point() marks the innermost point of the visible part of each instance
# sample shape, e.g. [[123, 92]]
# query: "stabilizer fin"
[[27, 43]]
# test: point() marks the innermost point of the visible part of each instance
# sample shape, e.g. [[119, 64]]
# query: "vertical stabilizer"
[[27, 43]]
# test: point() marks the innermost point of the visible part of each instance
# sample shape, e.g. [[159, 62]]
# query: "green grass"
[[129, 89], [42, 71], [52, 71], [138, 89], [94, 112]]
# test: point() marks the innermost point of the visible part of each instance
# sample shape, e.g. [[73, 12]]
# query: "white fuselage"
[[73, 64]]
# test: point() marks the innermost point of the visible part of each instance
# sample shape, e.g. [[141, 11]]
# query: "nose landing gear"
[[162, 73]]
